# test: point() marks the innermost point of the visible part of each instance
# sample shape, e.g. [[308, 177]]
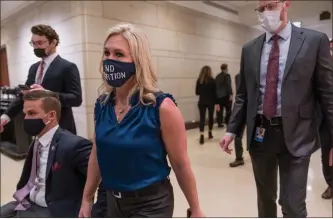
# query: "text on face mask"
[[111, 75], [109, 68], [115, 76]]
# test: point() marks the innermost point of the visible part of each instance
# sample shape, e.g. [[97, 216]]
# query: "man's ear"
[[54, 42], [53, 115]]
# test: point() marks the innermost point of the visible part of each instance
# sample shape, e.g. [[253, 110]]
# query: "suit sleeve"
[[215, 92], [80, 155], [324, 80], [238, 115], [16, 106], [229, 85], [72, 95]]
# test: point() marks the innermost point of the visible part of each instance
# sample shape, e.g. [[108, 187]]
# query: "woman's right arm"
[[93, 175]]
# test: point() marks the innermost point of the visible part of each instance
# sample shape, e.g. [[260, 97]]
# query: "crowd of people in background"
[[216, 94]]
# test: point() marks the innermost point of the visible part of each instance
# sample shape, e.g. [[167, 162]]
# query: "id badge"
[[260, 134]]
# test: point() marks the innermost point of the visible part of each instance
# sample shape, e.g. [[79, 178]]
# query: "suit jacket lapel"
[[257, 49], [33, 74], [51, 69], [296, 42], [52, 151]]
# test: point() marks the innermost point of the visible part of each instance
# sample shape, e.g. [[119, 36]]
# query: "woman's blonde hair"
[[145, 77], [205, 74]]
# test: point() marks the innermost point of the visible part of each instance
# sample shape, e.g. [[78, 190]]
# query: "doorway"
[[4, 76]]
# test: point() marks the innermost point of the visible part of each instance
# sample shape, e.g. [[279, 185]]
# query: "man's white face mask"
[[270, 20]]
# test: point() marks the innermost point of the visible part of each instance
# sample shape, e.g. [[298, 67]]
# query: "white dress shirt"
[[37, 194], [47, 62]]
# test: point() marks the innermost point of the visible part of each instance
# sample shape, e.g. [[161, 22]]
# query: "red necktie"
[[272, 78], [40, 73]]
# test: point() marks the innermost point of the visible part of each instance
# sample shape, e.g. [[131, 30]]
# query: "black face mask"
[[116, 73], [33, 127], [40, 52]]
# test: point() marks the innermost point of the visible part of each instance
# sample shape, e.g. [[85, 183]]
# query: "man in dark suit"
[[238, 139], [55, 170], [224, 95], [281, 80], [51, 73]]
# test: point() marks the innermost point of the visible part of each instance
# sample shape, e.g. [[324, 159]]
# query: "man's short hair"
[[50, 100], [224, 66], [47, 31]]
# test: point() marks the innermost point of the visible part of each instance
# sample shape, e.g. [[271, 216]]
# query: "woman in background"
[[206, 90]]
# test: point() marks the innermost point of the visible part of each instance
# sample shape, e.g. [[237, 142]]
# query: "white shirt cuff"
[[230, 134]]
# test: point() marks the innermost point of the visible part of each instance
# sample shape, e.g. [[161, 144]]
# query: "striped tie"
[[40, 73]]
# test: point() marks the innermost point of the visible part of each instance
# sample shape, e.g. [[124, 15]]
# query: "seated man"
[[54, 172]]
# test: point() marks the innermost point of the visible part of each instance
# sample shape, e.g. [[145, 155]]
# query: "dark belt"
[[149, 190], [262, 120]]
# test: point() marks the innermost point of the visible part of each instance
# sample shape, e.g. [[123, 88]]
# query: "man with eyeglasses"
[[50, 73], [283, 74]]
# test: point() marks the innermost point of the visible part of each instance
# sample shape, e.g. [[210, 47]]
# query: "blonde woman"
[[136, 127]]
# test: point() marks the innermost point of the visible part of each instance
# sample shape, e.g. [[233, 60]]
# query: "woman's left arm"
[[175, 139]]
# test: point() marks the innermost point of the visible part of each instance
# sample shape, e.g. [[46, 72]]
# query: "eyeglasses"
[[37, 43], [273, 6]]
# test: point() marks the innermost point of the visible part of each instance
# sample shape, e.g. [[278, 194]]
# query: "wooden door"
[[4, 76]]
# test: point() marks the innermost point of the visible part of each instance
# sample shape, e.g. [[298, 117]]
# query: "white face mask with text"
[[270, 20]]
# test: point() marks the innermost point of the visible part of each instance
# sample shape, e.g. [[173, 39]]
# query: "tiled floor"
[[223, 191]]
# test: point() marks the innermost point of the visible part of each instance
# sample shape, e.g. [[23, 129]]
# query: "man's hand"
[[230, 98], [3, 122], [36, 87], [24, 91], [331, 158], [217, 107], [225, 142]]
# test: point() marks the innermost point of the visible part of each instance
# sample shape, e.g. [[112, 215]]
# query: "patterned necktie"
[[22, 193], [272, 77], [40, 73]]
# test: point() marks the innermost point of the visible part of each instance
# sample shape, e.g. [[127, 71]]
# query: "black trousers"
[[158, 204], [326, 144], [267, 157], [202, 112], [7, 211], [226, 104]]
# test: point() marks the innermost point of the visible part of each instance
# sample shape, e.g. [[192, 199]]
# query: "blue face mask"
[[116, 73]]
